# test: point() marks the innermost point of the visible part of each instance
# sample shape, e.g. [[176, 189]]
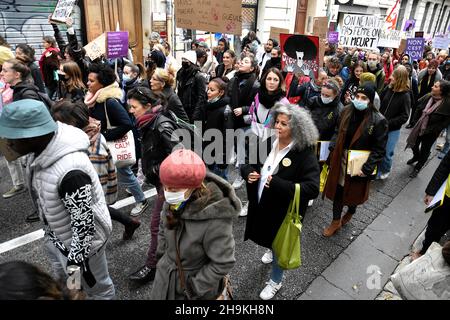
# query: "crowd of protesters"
[[58, 115]]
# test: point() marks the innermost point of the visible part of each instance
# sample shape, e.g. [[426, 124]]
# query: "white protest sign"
[[360, 31], [389, 38], [63, 10], [96, 48], [441, 42]]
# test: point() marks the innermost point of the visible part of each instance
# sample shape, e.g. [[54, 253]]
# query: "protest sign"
[[96, 48], [207, 15], [402, 46], [117, 44], [389, 38], [333, 37], [392, 15], [360, 31], [275, 33], [418, 34], [63, 10], [441, 42], [300, 53], [414, 47], [409, 25], [334, 12], [320, 27]]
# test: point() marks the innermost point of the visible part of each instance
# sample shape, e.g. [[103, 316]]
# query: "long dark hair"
[[73, 113]]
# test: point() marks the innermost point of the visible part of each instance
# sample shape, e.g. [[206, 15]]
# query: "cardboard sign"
[[441, 42], [207, 15], [63, 10], [360, 31], [414, 47], [389, 38], [117, 44], [320, 27], [96, 48], [300, 53], [275, 33], [333, 37]]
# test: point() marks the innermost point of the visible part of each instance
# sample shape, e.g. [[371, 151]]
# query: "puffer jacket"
[[157, 141], [206, 244], [25, 90], [67, 151]]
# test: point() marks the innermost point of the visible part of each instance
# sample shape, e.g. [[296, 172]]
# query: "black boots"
[[143, 275]]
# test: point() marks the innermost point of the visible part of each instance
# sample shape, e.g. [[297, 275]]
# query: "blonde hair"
[[401, 76], [165, 76]]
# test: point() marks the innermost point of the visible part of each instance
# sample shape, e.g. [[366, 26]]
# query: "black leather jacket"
[[157, 144]]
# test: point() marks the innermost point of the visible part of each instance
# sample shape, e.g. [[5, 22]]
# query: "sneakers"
[[244, 210], [238, 182], [267, 257], [34, 217], [383, 176], [130, 228], [143, 275], [270, 290], [439, 146], [139, 208], [128, 191], [14, 191], [310, 203]]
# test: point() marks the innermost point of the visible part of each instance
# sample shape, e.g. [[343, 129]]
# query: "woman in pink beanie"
[[196, 245]]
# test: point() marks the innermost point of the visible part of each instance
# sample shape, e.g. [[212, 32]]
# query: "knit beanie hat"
[[183, 169], [367, 77], [367, 89]]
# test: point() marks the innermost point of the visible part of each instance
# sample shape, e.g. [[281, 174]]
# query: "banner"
[[275, 33], [215, 16], [360, 31], [116, 44], [392, 14], [414, 47], [389, 38], [300, 53], [63, 10], [441, 42], [96, 48], [333, 37]]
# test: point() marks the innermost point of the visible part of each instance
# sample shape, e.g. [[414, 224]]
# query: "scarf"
[[239, 96], [421, 125], [92, 130], [111, 91], [268, 100], [149, 116]]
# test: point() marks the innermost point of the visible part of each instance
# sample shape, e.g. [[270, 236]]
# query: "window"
[[431, 20], [424, 17]]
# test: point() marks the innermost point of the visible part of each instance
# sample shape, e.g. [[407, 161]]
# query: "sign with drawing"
[[63, 10], [300, 53]]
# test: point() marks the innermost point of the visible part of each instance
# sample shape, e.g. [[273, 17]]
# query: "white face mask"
[[326, 100], [175, 197]]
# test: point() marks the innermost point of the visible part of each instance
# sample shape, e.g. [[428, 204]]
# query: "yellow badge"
[[286, 162]]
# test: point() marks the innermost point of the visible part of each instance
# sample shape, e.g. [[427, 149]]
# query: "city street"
[[249, 274]]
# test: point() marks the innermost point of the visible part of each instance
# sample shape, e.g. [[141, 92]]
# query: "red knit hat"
[[183, 169]]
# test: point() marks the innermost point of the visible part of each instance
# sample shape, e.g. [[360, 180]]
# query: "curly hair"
[[105, 75], [303, 130]]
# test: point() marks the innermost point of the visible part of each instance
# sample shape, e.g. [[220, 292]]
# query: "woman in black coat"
[[395, 106], [25, 54], [271, 186], [432, 116]]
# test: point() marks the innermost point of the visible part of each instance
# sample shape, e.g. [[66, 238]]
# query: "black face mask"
[[185, 64], [276, 60]]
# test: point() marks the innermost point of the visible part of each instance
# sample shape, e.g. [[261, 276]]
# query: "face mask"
[[326, 100], [175, 197], [372, 64], [185, 64], [360, 105], [213, 100], [126, 78]]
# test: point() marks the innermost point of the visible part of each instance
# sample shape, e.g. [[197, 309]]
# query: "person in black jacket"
[[103, 101], [191, 85], [439, 222], [217, 115], [325, 110], [17, 74], [432, 116], [157, 133], [25, 54], [352, 84], [71, 84], [274, 62], [395, 106]]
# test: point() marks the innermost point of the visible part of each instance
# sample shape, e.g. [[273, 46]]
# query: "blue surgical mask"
[[326, 100], [360, 105], [213, 100], [126, 78]]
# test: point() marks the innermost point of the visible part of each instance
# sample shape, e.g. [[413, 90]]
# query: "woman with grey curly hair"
[[271, 185]]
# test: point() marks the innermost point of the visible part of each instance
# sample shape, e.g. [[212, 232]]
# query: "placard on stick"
[[360, 31], [63, 10], [97, 47], [275, 33], [116, 44]]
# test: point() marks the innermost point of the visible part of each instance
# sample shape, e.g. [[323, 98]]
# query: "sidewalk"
[[362, 270]]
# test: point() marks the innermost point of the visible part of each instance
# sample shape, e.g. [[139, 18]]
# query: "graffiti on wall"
[[26, 21]]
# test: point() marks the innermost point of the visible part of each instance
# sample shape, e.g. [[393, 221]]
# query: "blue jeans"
[[386, 164], [223, 173], [277, 273], [126, 178]]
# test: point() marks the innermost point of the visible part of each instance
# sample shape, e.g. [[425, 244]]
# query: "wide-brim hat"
[[26, 119]]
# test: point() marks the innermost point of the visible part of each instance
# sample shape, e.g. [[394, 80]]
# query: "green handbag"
[[286, 245]]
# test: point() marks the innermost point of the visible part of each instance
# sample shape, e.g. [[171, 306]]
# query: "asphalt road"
[[249, 274]]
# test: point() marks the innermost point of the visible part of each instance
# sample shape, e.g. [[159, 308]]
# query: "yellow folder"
[[356, 160]]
